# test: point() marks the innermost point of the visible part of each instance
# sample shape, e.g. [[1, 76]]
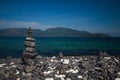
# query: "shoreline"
[[50, 53], [100, 67]]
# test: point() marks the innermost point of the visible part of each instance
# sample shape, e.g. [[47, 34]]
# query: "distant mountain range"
[[50, 32]]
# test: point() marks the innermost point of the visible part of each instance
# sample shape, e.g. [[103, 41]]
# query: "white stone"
[[117, 78], [49, 79], [23, 73], [74, 63], [41, 62], [75, 71], [76, 60], [107, 58], [86, 59], [79, 76], [1, 65], [28, 38], [116, 60], [68, 79], [72, 57], [47, 72], [51, 68], [11, 63], [65, 61], [18, 79], [60, 76], [57, 72], [13, 66], [17, 72], [53, 57], [72, 71], [118, 73], [52, 60]]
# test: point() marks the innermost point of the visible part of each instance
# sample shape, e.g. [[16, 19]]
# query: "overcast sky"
[[88, 15]]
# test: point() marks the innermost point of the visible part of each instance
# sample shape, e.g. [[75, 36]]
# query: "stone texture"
[[79, 68], [29, 52]]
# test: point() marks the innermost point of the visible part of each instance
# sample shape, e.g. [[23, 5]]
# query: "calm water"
[[49, 46]]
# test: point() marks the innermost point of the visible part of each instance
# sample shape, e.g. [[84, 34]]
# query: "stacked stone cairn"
[[29, 52]]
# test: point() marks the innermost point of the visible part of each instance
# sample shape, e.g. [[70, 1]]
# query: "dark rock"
[[38, 57], [2, 72], [29, 68], [60, 55], [29, 49], [29, 44], [102, 54], [29, 33], [20, 67], [29, 55], [62, 69]]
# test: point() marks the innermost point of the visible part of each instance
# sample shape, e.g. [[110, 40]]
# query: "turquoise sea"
[[51, 46]]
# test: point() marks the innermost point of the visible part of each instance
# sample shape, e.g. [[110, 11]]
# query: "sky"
[[96, 16]]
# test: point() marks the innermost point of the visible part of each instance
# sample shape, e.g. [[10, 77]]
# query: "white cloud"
[[22, 24]]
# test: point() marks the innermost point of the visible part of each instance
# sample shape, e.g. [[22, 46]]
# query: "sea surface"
[[51, 46]]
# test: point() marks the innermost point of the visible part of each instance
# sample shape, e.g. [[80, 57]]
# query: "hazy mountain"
[[50, 32]]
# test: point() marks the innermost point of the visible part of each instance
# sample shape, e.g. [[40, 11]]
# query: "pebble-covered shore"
[[101, 67]]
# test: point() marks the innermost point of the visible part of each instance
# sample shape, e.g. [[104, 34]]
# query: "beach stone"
[[29, 33], [38, 57], [2, 72], [60, 55], [29, 49], [29, 55], [49, 79], [65, 61], [30, 39], [102, 54], [117, 78], [68, 79], [29, 62], [35, 78], [29, 68], [20, 67], [29, 44]]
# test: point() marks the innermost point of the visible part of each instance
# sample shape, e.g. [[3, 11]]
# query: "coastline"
[[100, 67]]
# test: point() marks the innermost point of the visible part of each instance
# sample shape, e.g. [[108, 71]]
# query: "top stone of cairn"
[[29, 35]]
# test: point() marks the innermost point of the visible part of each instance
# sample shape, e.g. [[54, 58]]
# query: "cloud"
[[22, 24]]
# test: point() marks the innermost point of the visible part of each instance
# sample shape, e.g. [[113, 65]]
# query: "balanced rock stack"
[[29, 52]]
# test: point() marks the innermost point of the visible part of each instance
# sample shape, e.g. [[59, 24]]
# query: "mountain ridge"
[[50, 32]]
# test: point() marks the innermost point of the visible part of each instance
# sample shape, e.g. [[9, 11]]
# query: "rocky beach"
[[101, 67], [32, 66]]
